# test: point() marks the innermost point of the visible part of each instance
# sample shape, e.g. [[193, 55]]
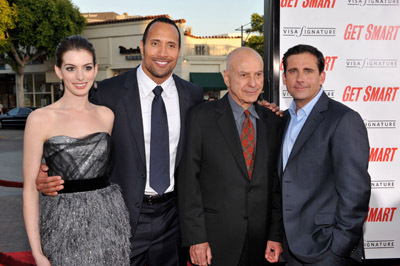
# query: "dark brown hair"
[[74, 42]]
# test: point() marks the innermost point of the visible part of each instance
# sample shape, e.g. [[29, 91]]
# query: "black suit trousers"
[[157, 237]]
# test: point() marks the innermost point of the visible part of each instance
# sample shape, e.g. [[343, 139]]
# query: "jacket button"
[[137, 205]]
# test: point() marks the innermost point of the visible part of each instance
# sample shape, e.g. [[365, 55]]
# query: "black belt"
[[81, 185], [158, 198]]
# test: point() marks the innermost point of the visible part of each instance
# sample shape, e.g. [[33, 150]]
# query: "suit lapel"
[[131, 99], [285, 124], [184, 105], [227, 126], [263, 138], [311, 124]]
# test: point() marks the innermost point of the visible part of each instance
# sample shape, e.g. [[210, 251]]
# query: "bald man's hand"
[[200, 254], [272, 106], [272, 251], [48, 185]]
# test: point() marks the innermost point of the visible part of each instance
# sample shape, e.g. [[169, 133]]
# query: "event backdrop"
[[361, 43]]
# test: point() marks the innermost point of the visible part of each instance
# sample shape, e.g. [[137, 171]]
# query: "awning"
[[208, 81]]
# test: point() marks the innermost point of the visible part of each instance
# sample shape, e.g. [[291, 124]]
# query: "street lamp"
[[241, 32]]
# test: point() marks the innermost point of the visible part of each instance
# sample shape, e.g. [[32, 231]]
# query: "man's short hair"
[[161, 20], [301, 49]]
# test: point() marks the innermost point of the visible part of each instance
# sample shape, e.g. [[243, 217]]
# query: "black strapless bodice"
[[78, 158]]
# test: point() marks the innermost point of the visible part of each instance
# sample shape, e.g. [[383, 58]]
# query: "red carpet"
[[5, 183], [23, 258]]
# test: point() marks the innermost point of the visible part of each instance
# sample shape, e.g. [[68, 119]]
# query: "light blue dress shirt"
[[295, 125]]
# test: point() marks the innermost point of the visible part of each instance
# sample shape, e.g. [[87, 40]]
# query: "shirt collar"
[[148, 85], [306, 110], [238, 110]]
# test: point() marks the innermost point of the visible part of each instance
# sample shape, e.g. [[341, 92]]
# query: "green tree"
[[257, 41], [8, 16], [34, 33]]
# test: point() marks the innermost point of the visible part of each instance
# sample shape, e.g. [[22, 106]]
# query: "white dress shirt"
[[171, 101]]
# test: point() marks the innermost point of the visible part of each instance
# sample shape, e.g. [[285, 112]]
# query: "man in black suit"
[[229, 195], [323, 167], [152, 207]]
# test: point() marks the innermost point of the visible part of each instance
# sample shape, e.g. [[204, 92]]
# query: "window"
[[37, 92], [201, 49], [13, 111], [24, 111]]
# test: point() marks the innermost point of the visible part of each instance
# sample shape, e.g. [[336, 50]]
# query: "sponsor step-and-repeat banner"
[[360, 40]]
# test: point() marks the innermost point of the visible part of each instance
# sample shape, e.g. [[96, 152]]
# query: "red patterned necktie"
[[248, 143]]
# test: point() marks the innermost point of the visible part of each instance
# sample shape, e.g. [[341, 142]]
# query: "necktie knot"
[[157, 91], [247, 113]]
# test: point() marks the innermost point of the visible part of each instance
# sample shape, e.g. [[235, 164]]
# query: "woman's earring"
[[61, 85], [95, 85]]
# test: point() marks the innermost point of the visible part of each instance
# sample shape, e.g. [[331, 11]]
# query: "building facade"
[[116, 39]]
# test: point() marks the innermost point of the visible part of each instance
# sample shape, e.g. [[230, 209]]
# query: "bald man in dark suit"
[[229, 196]]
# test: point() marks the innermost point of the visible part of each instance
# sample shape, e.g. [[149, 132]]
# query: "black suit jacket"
[[326, 185], [217, 201], [121, 95]]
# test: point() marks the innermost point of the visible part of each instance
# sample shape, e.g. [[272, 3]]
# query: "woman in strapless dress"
[[87, 223]]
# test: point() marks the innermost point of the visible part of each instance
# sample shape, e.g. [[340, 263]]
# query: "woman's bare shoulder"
[[106, 116], [105, 112], [41, 114], [42, 119]]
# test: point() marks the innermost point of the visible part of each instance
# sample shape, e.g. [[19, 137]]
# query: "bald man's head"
[[244, 76], [238, 53]]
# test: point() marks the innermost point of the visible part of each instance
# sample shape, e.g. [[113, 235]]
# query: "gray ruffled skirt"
[[85, 228]]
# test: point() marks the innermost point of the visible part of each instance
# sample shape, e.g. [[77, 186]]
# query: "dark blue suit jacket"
[[326, 186], [121, 95]]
